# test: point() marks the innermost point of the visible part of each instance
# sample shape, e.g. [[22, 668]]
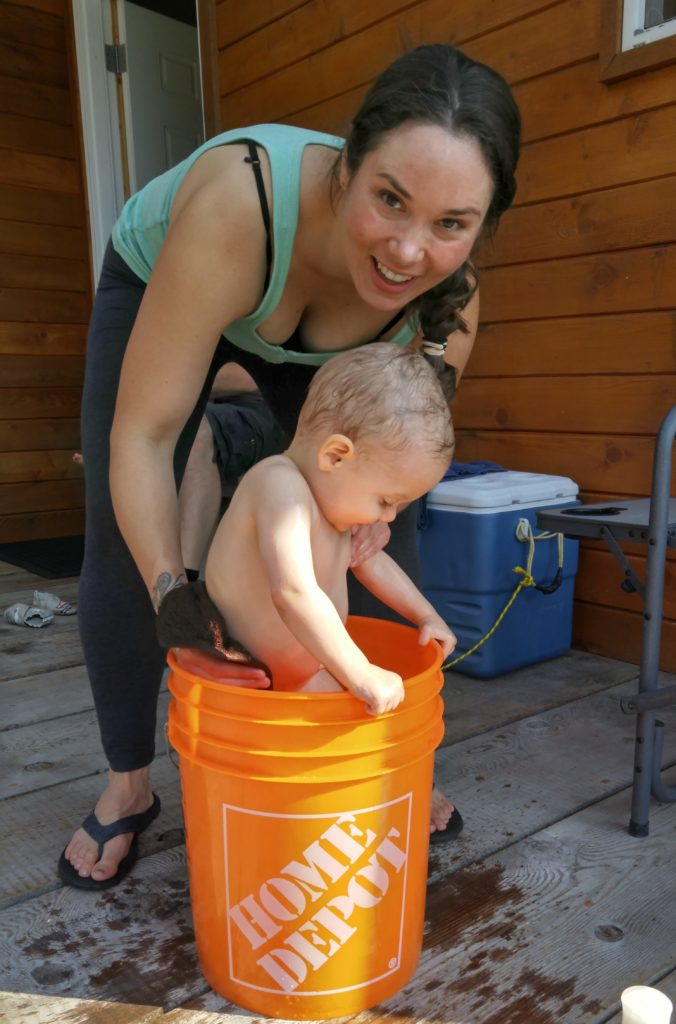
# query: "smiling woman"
[[274, 248], [474, 156], [408, 224]]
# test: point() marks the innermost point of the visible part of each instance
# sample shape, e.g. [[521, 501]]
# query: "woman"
[[331, 244]]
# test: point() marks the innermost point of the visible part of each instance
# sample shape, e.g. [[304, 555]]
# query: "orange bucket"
[[307, 829]]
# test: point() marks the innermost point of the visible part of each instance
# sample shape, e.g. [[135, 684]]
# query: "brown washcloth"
[[189, 618]]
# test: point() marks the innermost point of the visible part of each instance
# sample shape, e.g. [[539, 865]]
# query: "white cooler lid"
[[498, 491]]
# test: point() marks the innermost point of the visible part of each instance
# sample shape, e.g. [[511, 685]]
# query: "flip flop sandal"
[[135, 823], [52, 603], [452, 830], [27, 615]]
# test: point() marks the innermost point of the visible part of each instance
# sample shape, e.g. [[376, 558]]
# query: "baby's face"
[[377, 484]]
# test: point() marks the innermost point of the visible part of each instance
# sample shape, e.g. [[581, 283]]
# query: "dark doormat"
[[53, 559]]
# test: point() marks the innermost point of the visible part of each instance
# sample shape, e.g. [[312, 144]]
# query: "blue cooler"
[[469, 548]]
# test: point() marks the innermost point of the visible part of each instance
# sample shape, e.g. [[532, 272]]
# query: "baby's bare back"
[[238, 581]]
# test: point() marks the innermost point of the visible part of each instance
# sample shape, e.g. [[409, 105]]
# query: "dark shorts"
[[245, 431]]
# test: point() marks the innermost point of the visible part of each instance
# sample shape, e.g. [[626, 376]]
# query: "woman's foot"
[[441, 812], [446, 821], [126, 793]]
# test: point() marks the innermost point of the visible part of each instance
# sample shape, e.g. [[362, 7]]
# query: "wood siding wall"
[[574, 367], [44, 274]]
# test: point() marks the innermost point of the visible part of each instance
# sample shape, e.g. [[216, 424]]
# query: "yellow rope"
[[527, 581]]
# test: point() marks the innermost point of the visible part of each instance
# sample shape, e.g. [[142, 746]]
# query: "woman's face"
[[412, 212]]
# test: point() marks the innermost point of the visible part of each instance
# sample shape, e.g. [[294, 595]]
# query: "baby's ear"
[[334, 451]]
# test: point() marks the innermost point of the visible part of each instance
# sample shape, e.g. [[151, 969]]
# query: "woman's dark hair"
[[439, 85]]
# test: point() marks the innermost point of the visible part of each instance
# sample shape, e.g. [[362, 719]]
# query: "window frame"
[[616, 63]]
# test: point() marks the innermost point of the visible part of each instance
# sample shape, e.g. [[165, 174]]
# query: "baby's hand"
[[433, 627], [380, 690]]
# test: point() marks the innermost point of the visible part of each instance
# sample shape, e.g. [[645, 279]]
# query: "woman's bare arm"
[[209, 272]]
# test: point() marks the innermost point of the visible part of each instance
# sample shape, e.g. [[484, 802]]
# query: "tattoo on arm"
[[163, 584]]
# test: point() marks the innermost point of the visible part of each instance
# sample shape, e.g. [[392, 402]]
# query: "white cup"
[[644, 1005]]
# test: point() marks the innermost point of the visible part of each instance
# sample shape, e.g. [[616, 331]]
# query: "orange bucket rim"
[[269, 694], [295, 722]]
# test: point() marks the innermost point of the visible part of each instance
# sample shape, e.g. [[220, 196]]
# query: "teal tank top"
[[140, 231]]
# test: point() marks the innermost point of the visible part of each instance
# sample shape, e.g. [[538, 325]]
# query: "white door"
[[162, 109], [164, 92]]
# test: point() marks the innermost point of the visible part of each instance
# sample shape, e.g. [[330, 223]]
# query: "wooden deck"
[[541, 913]]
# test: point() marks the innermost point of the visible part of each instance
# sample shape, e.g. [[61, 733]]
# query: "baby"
[[373, 435]]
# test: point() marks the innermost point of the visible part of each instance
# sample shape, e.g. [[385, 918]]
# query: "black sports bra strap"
[[254, 160]]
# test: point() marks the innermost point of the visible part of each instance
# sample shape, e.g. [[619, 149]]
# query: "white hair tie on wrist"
[[431, 347]]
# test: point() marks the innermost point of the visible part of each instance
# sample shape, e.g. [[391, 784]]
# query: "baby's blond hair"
[[380, 392]]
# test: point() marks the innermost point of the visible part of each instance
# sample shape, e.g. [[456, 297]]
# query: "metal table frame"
[[653, 522]]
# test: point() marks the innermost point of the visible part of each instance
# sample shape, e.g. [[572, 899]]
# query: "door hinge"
[[116, 58]]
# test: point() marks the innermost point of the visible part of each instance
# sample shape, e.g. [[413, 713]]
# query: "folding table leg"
[[646, 749], [643, 770]]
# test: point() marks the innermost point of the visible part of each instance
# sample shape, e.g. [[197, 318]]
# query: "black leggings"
[[117, 621]]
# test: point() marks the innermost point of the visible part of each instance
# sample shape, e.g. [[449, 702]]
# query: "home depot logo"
[[316, 902]]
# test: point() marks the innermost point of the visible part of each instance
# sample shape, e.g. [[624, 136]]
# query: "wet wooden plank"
[[549, 930], [26, 651], [211, 1007], [132, 944], [45, 695], [27, 1008], [226, 1012], [53, 751], [473, 706], [514, 780]]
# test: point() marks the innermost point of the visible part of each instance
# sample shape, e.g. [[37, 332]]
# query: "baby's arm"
[[390, 584], [284, 528]]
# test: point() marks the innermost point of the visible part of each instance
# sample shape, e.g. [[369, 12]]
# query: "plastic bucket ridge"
[[307, 830], [311, 736]]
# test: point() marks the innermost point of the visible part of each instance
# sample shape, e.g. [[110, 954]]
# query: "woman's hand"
[[367, 541], [232, 672], [433, 627], [189, 622]]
